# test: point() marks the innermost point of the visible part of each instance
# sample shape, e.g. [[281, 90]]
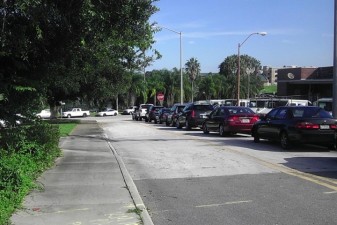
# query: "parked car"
[[162, 114], [171, 117], [297, 124], [153, 114], [129, 110], [44, 114], [108, 112], [141, 112], [193, 115], [229, 120]]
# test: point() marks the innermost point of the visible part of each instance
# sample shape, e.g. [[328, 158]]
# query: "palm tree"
[[192, 68]]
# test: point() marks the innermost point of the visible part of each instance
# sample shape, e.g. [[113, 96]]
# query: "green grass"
[[66, 128], [269, 89]]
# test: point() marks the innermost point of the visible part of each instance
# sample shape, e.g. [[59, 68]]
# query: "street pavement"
[[89, 184]]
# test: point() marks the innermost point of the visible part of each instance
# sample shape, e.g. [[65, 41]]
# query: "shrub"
[[25, 152]]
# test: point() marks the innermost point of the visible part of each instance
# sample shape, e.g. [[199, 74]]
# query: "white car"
[[108, 112], [44, 114]]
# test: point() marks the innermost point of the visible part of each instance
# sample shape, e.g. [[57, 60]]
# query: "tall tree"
[[229, 68], [192, 69], [59, 47]]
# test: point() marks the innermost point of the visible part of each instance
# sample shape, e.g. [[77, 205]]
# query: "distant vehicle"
[[153, 113], [297, 124], [193, 115], [262, 106], [230, 120], [129, 110], [141, 112], [163, 114], [324, 103], [108, 112], [76, 112], [174, 112], [44, 114]]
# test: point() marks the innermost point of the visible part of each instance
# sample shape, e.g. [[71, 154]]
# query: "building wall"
[[308, 83]]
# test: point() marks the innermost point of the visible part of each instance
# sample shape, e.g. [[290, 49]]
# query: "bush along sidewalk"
[[25, 152]]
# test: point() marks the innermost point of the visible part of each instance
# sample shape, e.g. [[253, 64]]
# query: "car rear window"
[[240, 110], [310, 113], [203, 107]]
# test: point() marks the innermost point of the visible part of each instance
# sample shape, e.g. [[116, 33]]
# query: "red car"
[[230, 120]]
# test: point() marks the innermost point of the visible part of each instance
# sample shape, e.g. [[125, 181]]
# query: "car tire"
[[69, 115], [332, 146], [177, 124], [205, 129], [155, 121], [285, 142], [167, 124], [187, 125], [222, 132], [115, 114], [256, 137]]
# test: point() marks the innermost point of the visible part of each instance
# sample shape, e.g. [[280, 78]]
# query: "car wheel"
[[284, 139], [178, 126], [256, 137], [69, 116], [187, 125], [167, 123], [104, 114], [222, 130], [115, 114], [155, 121], [204, 128], [332, 146]]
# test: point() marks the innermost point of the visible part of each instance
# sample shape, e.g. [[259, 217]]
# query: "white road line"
[[221, 204]]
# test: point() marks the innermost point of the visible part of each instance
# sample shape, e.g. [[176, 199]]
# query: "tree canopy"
[[71, 49]]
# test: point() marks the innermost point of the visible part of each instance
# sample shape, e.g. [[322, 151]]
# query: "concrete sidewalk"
[[88, 185]]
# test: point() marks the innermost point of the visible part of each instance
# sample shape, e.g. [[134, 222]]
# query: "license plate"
[[324, 127], [245, 120]]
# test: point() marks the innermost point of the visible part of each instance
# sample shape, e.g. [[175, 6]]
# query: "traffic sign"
[[160, 97]]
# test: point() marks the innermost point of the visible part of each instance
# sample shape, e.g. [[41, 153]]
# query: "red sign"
[[160, 97]]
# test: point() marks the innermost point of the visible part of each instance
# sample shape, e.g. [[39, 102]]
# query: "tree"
[[192, 68], [59, 48], [249, 78]]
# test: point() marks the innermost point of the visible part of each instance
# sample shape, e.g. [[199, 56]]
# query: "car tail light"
[[333, 126], [192, 113], [307, 125], [255, 118]]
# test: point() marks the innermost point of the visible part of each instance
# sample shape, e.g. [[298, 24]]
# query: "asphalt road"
[[189, 178]]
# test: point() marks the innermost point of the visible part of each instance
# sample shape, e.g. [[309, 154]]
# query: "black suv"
[[172, 116], [193, 115], [153, 114]]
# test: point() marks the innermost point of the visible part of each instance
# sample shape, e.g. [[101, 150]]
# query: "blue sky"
[[300, 32]]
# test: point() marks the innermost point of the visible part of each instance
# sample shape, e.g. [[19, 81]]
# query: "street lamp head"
[[262, 33]]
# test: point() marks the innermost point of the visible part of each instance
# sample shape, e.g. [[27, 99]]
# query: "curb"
[[131, 187]]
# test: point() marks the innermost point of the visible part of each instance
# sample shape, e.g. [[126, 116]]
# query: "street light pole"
[[238, 77], [181, 63]]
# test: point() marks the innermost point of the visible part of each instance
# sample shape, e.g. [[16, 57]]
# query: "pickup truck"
[[76, 112]]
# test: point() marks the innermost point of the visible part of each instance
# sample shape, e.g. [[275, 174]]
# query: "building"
[[309, 83]]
